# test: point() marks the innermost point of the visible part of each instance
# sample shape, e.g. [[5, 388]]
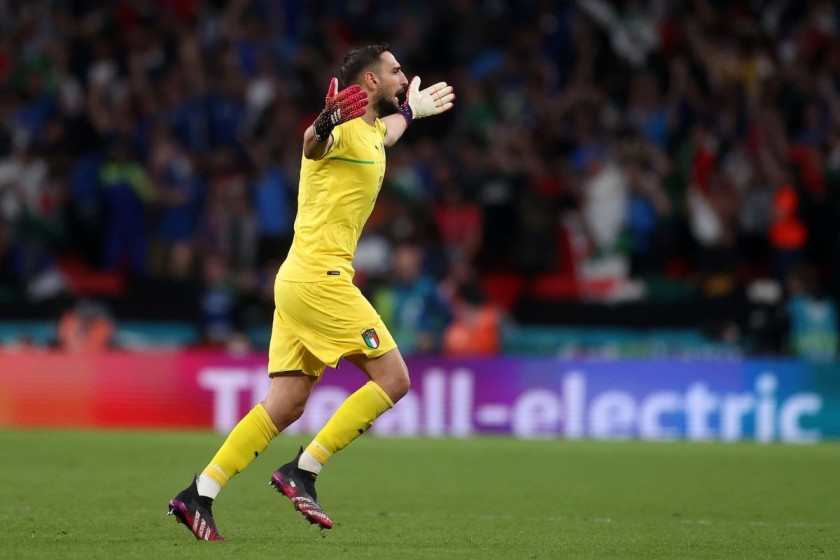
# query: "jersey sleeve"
[[381, 127], [337, 144]]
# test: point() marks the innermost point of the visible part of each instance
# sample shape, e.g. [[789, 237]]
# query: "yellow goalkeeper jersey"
[[335, 199]]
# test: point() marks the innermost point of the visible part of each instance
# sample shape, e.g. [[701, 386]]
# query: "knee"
[[285, 416], [398, 385], [295, 412]]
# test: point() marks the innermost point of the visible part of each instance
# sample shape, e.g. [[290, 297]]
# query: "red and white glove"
[[340, 107], [433, 100]]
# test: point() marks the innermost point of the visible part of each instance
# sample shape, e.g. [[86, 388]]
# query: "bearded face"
[[386, 103], [391, 82]]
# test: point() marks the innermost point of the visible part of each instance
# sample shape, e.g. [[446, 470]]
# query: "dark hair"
[[358, 60], [471, 293]]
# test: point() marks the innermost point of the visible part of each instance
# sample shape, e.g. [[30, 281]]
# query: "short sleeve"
[[337, 143]]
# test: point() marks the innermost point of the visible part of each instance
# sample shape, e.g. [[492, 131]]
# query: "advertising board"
[[697, 400]]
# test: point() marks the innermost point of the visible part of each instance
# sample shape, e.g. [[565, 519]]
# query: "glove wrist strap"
[[322, 128], [407, 113]]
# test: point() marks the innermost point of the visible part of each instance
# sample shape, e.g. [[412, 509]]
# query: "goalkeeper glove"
[[433, 100], [340, 107]]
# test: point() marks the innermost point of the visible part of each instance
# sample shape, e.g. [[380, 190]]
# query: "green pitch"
[[103, 495]]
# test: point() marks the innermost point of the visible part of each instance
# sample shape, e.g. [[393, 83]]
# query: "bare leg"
[[388, 383], [286, 398], [388, 371]]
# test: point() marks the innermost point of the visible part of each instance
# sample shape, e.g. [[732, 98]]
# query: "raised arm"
[[339, 108], [433, 100]]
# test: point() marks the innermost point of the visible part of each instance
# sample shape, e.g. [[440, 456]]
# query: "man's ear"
[[371, 79]]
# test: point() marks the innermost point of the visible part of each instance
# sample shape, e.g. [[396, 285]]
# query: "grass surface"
[[104, 494]]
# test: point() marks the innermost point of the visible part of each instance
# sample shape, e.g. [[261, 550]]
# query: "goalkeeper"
[[320, 316]]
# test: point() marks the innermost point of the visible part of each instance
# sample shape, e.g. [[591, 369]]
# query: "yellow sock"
[[248, 439], [352, 419]]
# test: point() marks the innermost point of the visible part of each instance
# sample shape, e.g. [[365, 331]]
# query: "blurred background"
[[619, 179]]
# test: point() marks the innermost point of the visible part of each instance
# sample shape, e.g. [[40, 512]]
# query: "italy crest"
[[371, 338]]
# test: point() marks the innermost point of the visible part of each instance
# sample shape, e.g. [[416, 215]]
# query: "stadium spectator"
[[272, 204], [127, 191], [814, 331], [180, 192], [648, 208], [476, 326], [85, 328], [410, 302], [459, 220], [787, 232], [218, 302]]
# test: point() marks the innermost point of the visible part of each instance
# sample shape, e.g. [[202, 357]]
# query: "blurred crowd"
[[599, 150]]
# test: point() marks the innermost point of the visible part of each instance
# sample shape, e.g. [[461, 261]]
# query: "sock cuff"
[[318, 452], [265, 421], [215, 473], [381, 392]]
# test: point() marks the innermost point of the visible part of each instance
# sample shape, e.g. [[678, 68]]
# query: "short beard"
[[385, 106]]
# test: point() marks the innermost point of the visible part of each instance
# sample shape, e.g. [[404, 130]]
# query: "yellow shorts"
[[317, 323]]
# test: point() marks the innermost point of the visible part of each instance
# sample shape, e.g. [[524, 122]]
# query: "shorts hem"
[[369, 353], [286, 372]]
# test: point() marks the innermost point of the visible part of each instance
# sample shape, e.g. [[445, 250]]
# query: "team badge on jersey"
[[371, 338]]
